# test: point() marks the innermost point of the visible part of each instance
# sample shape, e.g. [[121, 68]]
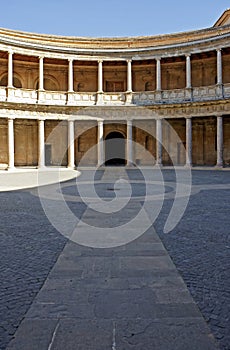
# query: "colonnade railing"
[[144, 98], [100, 143]]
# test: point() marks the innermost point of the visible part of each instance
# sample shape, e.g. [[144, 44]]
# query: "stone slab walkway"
[[22, 178], [127, 297]]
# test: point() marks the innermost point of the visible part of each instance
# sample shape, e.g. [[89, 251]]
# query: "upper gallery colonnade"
[[151, 93]]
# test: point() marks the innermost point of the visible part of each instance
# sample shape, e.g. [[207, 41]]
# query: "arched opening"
[[16, 81], [115, 149]]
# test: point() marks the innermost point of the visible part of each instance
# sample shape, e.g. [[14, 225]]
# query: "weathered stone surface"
[[118, 297]]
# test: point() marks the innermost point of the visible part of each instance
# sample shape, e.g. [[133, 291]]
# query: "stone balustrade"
[[145, 98]]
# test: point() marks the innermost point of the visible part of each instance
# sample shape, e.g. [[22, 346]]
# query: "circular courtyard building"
[[166, 99]]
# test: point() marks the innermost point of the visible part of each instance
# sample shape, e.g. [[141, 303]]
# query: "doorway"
[[115, 149]]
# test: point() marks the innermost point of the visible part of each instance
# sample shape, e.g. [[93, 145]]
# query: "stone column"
[[129, 75], [71, 144], [70, 76], [100, 77], [188, 142], [100, 144], [129, 142], [159, 142], [158, 74], [41, 73], [219, 142], [10, 69], [219, 67], [100, 83], [11, 144], [41, 143], [188, 72]]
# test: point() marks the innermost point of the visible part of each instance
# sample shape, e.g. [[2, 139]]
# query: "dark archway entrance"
[[115, 149]]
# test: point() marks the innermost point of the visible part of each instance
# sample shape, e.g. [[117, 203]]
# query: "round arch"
[[115, 149], [17, 81], [50, 83]]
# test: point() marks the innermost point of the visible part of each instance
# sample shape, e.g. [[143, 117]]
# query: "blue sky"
[[104, 18]]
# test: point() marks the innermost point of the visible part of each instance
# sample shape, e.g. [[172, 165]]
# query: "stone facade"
[[60, 97]]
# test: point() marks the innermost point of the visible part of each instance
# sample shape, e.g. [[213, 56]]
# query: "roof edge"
[[223, 18]]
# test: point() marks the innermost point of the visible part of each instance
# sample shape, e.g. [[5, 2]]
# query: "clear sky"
[[103, 18]]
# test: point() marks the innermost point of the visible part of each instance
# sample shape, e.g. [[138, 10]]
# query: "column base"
[[188, 165], [41, 167], [158, 165], [130, 164], [219, 90], [128, 97], [158, 95], [70, 98], [219, 166], [10, 94], [100, 100], [188, 94], [13, 168]]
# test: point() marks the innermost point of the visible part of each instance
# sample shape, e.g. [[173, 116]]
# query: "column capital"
[[100, 61], [188, 55], [70, 59], [41, 57], [11, 118], [129, 60], [157, 58], [10, 52], [129, 122], [219, 49]]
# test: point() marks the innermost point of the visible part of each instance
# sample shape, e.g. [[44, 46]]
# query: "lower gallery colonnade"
[[29, 144]]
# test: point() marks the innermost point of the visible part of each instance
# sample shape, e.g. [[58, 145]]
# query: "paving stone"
[[131, 296], [37, 332]]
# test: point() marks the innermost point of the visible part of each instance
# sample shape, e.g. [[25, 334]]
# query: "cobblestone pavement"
[[29, 247], [199, 246]]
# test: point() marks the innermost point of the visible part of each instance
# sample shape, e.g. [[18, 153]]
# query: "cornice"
[[124, 45]]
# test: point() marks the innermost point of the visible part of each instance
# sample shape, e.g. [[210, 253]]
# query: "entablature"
[[110, 113]]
